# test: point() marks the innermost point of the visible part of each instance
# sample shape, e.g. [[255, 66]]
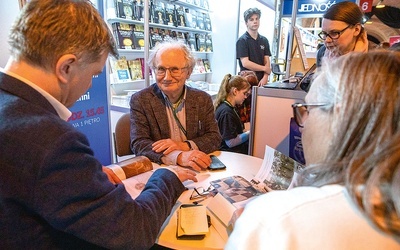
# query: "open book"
[[277, 172]]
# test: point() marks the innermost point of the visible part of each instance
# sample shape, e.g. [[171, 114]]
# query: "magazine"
[[276, 173]]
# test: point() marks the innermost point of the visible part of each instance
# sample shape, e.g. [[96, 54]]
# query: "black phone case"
[[216, 164]]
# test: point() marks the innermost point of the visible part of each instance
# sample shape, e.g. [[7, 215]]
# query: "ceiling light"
[[380, 5]]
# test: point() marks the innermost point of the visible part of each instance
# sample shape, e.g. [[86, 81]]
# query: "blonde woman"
[[233, 91]]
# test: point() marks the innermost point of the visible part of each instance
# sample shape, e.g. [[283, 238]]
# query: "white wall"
[[8, 12]]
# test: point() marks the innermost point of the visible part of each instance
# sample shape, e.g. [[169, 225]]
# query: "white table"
[[236, 164]]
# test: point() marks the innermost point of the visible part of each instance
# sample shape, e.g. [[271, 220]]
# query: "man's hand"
[[112, 177], [167, 146], [194, 159]]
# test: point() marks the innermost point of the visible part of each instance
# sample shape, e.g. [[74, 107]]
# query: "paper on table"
[[193, 220]]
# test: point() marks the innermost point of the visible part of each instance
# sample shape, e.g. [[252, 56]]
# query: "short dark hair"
[[248, 13]]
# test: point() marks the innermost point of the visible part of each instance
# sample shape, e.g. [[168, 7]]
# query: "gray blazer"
[[149, 121]]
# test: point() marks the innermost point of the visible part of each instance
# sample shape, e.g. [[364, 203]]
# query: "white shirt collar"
[[62, 111]]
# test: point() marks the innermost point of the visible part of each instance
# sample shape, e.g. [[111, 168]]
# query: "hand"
[[167, 146], [194, 159], [185, 174], [263, 81], [112, 177]]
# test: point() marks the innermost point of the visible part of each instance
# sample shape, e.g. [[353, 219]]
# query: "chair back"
[[122, 138], [276, 69]]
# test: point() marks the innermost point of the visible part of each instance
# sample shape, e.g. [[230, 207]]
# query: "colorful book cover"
[[139, 36], [207, 21], [124, 35], [124, 9], [155, 37], [135, 69], [170, 15], [201, 42], [208, 41], [158, 12], [191, 41], [120, 69], [180, 16], [207, 65]]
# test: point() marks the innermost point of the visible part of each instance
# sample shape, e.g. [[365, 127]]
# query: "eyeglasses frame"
[[156, 69], [199, 194], [297, 115], [339, 33]]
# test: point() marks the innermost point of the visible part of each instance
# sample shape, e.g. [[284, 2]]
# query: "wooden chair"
[[122, 139]]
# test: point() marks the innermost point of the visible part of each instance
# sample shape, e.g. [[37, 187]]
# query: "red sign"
[[394, 39], [366, 5]]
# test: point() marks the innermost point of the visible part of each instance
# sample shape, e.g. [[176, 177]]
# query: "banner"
[[309, 8], [90, 115]]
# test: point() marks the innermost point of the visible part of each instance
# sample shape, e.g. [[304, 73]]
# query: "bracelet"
[[189, 145]]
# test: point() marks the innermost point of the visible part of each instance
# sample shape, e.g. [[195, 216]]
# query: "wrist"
[[189, 145]]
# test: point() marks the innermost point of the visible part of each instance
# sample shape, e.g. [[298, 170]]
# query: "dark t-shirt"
[[254, 49], [230, 127]]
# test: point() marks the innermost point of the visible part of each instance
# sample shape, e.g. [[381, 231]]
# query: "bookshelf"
[[186, 20]]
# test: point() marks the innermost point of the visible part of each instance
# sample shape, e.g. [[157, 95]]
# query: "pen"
[[199, 124]]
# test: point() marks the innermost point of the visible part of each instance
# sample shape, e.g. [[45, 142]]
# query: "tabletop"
[[236, 164]]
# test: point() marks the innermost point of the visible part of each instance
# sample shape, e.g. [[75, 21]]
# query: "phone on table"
[[216, 164]]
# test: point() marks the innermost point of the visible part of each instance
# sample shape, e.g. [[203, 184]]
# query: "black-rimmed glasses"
[[334, 35], [174, 71], [200, 192], [301, 110]]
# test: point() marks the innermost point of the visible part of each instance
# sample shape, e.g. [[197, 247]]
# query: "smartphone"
[[216, 164]]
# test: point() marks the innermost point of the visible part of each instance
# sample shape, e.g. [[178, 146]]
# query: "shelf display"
[[187, 21]]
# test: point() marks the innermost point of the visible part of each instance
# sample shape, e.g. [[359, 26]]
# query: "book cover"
[[207, 21], [139, 36], [191, 40], [201, 42], [170, 15], [155, 37], [199, 67], [124, 9], [120, 69], [180, 16], [207, 65], [191, 18], [180, 36], [138, 10], [208, 41], [135, 69], [124, 36], [158, 12], [200, 20], [166, 35]]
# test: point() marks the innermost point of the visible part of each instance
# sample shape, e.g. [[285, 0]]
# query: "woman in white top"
[[348, 197]]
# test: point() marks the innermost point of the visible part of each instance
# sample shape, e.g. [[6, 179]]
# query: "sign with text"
[[366, 5], [90, 115], [309, 8]]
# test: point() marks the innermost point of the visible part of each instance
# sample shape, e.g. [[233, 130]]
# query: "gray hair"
[[168, 45]]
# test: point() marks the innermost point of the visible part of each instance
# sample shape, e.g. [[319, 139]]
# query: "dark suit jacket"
[[149, 121], [53, 193]]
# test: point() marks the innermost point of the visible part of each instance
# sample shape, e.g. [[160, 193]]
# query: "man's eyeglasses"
[[201, 192], [173, 71], [333, 34], [301, 110]]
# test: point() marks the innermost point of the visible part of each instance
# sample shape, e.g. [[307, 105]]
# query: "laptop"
[[291, 83]]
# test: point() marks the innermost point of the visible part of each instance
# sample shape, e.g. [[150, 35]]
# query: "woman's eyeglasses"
[[301, 110], [334, 35]]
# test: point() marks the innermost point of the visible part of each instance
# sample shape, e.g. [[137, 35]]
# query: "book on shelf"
[[158, 12], [204, 4], [191, 41], [192, 222], [120, 70], [208, 42], [200, 20], [135, 68], [207, 65], [191, 18], [180, 16], [139, 36], [155, 37], [277, 172], [124, 9], [180, 36], [207, 21], [124, 35], [170, 15], [139, 10], [166, 35], [201, 42], [199, 66]]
